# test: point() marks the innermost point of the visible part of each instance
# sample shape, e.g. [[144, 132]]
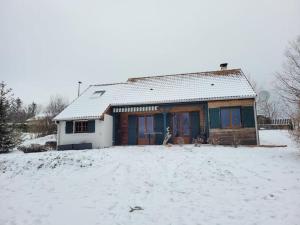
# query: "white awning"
[[135, 109]]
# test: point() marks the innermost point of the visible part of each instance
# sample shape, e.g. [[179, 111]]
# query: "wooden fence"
[[286, 124]]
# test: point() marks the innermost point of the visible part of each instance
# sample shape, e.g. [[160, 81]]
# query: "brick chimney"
[[223, 66]]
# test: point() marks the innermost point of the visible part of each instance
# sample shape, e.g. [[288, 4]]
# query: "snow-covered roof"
[[201, 86], [39, 116]]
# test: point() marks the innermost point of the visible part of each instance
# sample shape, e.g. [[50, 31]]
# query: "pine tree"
[[9, 138]]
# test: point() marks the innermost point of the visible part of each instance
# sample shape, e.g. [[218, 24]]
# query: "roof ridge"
[[219, 72], [108, 84]]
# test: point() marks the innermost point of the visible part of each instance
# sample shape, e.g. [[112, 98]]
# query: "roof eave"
[[77, 118], [188, 100], [101, 114]]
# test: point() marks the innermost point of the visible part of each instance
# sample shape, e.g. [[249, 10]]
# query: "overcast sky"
[[47, 46]]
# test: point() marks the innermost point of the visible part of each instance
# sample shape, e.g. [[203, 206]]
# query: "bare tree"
[[31, 110], [56, 105], [289, 78], [44, 125], [288, 82], [253, 83], [265, 105]]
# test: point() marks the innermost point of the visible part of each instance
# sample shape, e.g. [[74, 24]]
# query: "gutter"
[[255, 119]]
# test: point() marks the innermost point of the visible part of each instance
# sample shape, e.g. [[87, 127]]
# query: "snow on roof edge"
[[54, 119], [157, 102], [77, 118]]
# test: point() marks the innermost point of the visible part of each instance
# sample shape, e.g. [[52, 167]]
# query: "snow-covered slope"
[[176, 185], [40, 140], [275, 137]]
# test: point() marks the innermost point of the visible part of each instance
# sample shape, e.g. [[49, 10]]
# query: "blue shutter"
[[248, 119], [195, 124], [159, 128], [91, 126], [132, 130], [69, 127], [206, 130], [214, 118]]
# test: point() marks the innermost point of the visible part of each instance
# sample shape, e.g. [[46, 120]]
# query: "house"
[[37, 124], [36, 119], [218, 105]]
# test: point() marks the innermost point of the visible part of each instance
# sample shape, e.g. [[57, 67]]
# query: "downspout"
[[255, 119], [114, 130]]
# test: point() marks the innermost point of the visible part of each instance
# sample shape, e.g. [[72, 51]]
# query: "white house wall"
[[101, 138], [107, 131]]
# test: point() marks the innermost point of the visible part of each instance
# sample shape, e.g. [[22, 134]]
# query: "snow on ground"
[[174, 185], [275, 137], [41, 140]]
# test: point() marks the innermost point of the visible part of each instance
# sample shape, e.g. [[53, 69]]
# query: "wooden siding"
[[229, 103], [202, 120], [123, 129], [243, 136]]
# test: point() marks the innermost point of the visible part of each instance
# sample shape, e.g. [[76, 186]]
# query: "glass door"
[[146, 135], [181, 127]]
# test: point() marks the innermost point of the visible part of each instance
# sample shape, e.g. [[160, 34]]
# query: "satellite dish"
[[264, 95]]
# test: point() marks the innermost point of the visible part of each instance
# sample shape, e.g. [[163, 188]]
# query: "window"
[[145, 126], [181, 124], [97, 94], [141, 126], [81, 126], [231, 117]]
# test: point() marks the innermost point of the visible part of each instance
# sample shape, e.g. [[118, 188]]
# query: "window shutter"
[[214, 118], [159, 127], [195, 124], [69, 127], [132, 130], [248, 119], [91, 126]]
